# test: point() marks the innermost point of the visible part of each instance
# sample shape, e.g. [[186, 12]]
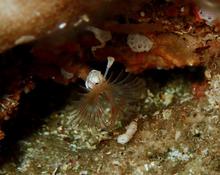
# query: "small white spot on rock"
[[62, 25], [177, 135], [149, 166], [175, 155], [167, 113], [24, 39], [205, 152], [182, 9], [208, 74], [142, 14], [84, 172], [116, 163]]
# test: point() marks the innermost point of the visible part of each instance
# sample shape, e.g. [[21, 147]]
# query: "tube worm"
[[116, 94]]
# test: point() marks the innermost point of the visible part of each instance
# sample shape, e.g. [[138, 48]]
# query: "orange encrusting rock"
[[176, 40], [167, 52]]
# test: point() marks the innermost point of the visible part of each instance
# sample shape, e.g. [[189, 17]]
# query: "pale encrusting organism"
[[130, 131], [139, 43], [107, 99]]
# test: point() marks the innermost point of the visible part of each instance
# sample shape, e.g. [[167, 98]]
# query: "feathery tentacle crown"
[[107, 99]]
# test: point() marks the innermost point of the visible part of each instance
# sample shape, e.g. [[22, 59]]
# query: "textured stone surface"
[[177, 117], [22, 21]]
